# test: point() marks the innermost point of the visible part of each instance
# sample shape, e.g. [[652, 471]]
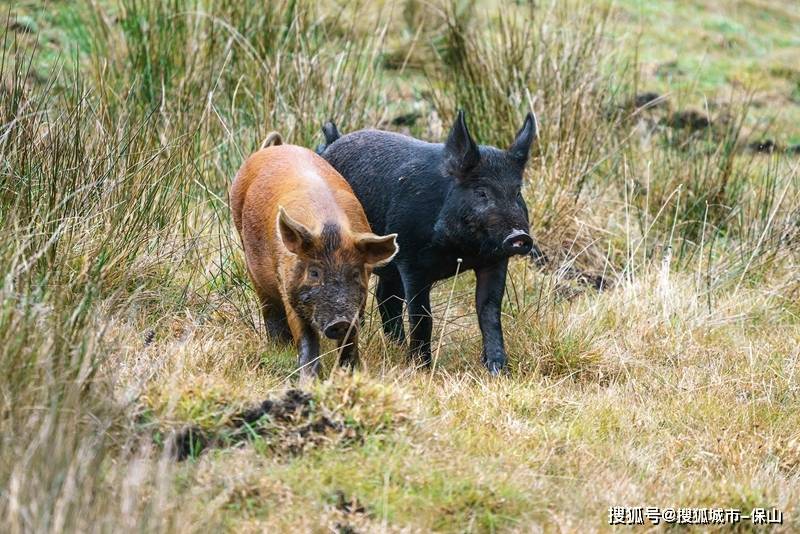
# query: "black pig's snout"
[[517, 242], [337, 328]]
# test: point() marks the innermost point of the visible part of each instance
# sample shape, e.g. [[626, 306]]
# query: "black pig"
[[445, 202]]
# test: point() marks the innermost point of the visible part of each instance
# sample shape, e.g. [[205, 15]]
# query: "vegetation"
[[654, 358]]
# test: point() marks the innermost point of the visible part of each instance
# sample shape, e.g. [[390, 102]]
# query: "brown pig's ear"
[[378, 250], [295, 237]]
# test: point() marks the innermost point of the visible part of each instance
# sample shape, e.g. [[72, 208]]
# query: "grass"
[[126, 315]]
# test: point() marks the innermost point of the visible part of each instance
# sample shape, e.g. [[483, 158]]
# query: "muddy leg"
[[348, 350], [275, 321], [306, 340], [391, 296]]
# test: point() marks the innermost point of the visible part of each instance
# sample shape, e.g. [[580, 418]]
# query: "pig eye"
[[314, 274], [482, 194]]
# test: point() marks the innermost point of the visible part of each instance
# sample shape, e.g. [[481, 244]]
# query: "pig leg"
[[420, 321], [490, 284], [390, 297], [275, 320], [308, 349], [348, 350], [273, 309], [307, 341]]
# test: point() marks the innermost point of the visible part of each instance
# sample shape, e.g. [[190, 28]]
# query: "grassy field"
[[654, 359]]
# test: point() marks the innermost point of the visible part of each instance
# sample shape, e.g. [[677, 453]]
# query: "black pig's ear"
[[521, 146], [331, 132], [461, 152]]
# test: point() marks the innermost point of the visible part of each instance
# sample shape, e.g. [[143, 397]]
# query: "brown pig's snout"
[[337, 328]]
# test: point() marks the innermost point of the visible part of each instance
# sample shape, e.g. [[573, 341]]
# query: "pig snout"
[[337, 328], [517, 242]]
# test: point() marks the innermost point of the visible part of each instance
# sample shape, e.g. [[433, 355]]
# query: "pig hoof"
[[421, 361], [349, 365], [495, 368]]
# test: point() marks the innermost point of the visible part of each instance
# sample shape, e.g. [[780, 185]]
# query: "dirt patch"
[[23, 24], [407, 119], [149, 337], [764, 146], [348, 505], [769, 146], [287, 425], [350, 511], [649, 100], [690, 119]]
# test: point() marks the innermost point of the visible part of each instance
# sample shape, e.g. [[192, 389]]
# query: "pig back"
[[395, 177], [306, 186]]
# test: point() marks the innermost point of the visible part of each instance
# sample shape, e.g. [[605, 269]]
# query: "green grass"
[[126, 314], [699, 51]]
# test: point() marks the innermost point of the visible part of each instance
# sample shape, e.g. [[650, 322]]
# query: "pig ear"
[[295, 237], [461, 152], [521, 146], [378, 250], [331, 132]]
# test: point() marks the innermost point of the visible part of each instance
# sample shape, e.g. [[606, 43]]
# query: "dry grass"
[[126, 316]]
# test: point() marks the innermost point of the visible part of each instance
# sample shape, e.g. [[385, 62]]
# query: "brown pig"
[[308, 247]]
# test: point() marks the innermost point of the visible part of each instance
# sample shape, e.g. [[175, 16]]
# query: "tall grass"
[[79, 214], [556, 59], [113, 189], [595, 172]]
